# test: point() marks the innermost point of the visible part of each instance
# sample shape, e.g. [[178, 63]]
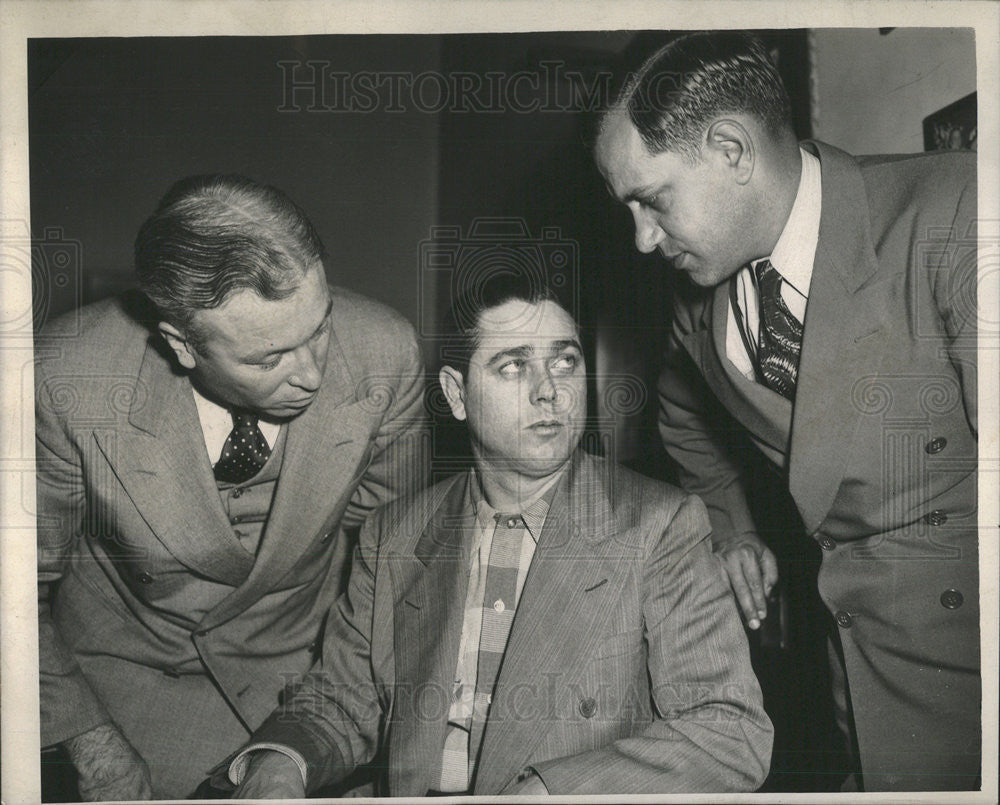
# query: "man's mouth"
[[546, 426]]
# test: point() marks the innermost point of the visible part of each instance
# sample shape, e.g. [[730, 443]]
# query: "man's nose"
[[543, 388], [648, 233], [308, 373]]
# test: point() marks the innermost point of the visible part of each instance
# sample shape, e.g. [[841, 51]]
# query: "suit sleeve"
[[696, 431], [400, 459], [954, 287], [709, 730], [69, 707], [333, 716]]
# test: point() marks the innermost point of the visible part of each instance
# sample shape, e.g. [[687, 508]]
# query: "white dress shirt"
[[217, 424], [793, 258]]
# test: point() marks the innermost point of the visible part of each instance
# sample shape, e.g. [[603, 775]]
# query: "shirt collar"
[[533, 514], [795, 251]]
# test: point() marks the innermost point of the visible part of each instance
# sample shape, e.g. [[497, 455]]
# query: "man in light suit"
[[545, 623], [199, 461], [831, 313]]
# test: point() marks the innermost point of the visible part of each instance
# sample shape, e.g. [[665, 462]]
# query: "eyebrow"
[[258, 357], [640, 193], [526, 350]]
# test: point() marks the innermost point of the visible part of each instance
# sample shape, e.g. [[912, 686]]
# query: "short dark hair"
[[216, 234], [694, 78], [460, 328]]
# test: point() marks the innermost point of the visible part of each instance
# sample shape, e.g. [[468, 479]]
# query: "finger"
[[743, 597], [755, 582], [770, 567]]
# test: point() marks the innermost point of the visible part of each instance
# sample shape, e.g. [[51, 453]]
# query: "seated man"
[[198, 462], [547, 622]]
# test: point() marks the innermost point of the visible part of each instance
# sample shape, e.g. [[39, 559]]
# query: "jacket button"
[[844, 619], [827, 544], [327, 537], [145, 578], [588, 707], [237, 491], [936, 517], [936, 445], [952, 599]]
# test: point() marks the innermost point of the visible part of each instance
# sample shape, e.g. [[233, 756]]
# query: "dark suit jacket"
[[879, 452], [626, 670], [138, 564]]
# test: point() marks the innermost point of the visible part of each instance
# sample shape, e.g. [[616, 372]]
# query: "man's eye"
[[511, 368], [266, 365], [322, 330], [565, 363]]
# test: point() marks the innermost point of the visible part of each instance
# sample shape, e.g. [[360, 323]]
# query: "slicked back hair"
[[694, 79], [214, 235]]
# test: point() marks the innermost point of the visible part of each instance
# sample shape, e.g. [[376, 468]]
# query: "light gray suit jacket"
[[138, 564], [626, 670], [879, 451]]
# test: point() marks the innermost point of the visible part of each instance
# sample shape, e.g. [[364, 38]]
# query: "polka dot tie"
[[245, 451], [780, 334]]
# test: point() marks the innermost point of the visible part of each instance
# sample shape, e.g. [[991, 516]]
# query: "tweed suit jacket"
[[879, 451], [626, 670], [151, 613]]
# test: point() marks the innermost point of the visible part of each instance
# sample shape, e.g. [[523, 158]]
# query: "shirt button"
[[511, 522], [499, 605], [952, 599], [936, 517], [844, 619], [588, 707], [827, 544], [936, 445], [237, 491], [145, 578]]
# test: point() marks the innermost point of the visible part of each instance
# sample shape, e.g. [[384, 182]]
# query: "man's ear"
[[733, 146], [453, 387], [179, 343]]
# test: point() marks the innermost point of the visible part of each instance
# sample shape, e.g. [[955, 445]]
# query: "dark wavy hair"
[[695, 78], [460, 327], [216, 234]]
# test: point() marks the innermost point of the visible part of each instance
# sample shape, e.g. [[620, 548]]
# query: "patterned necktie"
[[499, 605], [780, 334], [245, 451]]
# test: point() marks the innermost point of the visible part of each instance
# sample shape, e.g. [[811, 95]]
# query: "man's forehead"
[[621, 154]]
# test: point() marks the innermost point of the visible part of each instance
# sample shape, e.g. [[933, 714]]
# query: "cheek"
[[263, 384]]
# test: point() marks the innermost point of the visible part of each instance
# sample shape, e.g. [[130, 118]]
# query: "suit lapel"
[[321, 457], [429, 590], [840, 342], [162, 464], [763, 412], [577, 570]]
